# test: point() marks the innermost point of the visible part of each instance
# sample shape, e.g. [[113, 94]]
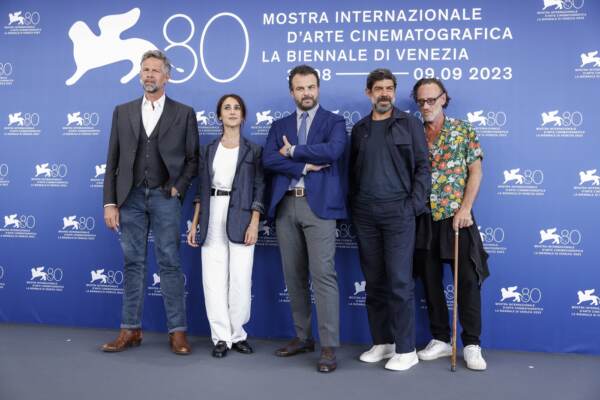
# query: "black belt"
[[219, 192], [296, 192]]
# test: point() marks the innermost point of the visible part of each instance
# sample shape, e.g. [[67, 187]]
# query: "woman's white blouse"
[[223, 168]]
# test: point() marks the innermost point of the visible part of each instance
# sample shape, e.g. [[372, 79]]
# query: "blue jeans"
[[144, 209]]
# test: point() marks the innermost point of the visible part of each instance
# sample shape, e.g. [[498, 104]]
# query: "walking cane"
[[454, 304]]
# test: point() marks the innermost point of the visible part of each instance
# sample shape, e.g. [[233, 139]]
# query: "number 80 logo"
[[6, 69], [184, 44], [54, 274]]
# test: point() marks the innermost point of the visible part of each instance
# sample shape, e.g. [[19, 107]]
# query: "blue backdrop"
[[526, 74]]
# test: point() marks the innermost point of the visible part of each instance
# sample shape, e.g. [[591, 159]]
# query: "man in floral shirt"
[[456, 172]]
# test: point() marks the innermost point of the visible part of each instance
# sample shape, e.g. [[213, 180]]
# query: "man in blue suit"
[[304, 153]]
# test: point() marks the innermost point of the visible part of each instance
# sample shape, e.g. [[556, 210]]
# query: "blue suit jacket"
[[326, 144]]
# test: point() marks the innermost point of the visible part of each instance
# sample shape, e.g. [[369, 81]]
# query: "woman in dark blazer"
[[228, 205]]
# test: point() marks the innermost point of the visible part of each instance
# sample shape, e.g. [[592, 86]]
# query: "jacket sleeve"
[[201, 168], [275, 162], [421, 188], [259, 182], [327, 152], [190, 166], [352, 159], [112, 162]]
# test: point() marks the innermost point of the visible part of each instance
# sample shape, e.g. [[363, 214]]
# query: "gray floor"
[[41, 362]]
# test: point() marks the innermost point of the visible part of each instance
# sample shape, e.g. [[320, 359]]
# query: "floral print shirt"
[[455, 149]]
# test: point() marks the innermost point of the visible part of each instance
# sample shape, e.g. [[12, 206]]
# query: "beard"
[[303, 107], [383, 108], [431, 116], [150, 87]]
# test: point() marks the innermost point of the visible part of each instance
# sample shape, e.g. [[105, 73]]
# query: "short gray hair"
[[160, 56]]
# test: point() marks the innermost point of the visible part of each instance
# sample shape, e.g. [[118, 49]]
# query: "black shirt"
[[379, 180]]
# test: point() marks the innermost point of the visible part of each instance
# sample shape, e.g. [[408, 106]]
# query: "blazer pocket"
[[249, 157], [334, 199], [403, 145], [401, 140], [174, 127], [249, 167]]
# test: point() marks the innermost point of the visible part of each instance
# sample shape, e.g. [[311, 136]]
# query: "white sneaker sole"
[[403, 367], [425, 357], [473, 368], [369, 359]]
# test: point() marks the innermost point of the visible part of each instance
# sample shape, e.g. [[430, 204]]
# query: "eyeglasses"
[[430, 101]]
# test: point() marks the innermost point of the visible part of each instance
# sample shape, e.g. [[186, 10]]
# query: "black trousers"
[[386, 237], [429, 265]]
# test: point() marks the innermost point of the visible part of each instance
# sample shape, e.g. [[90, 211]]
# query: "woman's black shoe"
[[220, 349], [243, 347]]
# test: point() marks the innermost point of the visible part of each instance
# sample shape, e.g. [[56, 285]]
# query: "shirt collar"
[[311, 112], [447, 126], [158, 104]]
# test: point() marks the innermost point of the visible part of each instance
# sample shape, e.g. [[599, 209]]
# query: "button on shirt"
[[311, 116], [151, 112]]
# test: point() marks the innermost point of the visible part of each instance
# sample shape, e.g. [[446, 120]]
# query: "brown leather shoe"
[[127, 338], [327, 361], [179, 343], [296, 346]]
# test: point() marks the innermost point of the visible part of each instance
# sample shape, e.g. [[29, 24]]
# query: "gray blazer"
[[177, 144], [247, 190]]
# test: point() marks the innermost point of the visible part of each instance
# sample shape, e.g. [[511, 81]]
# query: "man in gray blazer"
[[152, 158]]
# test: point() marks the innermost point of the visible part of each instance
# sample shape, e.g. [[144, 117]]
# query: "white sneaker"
[[473, 358], [378, 352], [402, 362], [435, 349]]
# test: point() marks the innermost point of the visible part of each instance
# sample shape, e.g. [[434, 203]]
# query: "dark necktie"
[[301, 139]]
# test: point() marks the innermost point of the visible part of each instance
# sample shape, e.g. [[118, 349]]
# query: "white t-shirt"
[[223, 168]]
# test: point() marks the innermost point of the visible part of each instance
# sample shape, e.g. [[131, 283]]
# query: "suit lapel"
[[361, 142], [291, 129], [212, 150], [244, 148], [167, 117], [135, 116], [390, 142], [314, 126]]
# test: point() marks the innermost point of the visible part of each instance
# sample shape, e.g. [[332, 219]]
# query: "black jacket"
[[405, 138]]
